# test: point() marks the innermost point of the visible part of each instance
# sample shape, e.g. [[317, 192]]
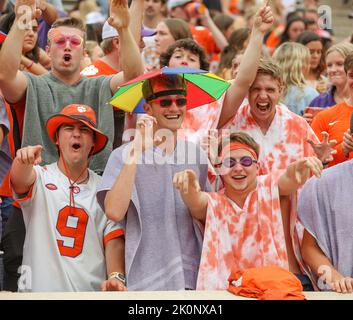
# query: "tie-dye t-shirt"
[[198, 121], [242, 238], [284, 142]]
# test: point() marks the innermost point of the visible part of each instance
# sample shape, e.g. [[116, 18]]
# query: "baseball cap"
[[73, 113], [177, 3], [110, 32]]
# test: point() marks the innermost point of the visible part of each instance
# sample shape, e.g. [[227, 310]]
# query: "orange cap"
[[73, 113]]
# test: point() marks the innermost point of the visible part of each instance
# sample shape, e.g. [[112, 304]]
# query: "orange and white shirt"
[[198, 121], [241, 238], [284, 142], [64, 246], [98, 68]]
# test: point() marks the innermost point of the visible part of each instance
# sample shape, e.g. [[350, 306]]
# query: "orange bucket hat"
[[266, 283], [73, 113]]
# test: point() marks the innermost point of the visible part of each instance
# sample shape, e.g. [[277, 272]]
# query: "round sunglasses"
[[244, 162]]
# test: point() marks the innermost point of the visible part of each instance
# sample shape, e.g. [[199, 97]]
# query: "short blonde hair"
[[267, 66], [291, 58]]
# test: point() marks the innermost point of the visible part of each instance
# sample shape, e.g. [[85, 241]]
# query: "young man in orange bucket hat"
[[69, 241]]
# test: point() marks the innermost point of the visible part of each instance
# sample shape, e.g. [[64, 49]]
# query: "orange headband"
[[235, 146]]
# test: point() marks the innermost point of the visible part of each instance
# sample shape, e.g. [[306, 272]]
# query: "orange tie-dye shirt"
[[198, 121], [242, 238], [284, 142]]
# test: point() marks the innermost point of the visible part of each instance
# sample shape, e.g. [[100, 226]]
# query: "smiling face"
[[184, 58], [240, 179], [335, 68], [169, 117], [264, 95], [66, 50], [163, 38], [31, 38], [76, 141]]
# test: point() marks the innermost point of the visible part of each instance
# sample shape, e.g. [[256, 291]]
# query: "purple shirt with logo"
[[324, 100]]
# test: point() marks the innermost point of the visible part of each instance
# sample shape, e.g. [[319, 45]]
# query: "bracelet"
[[117, 275], [30, 65]]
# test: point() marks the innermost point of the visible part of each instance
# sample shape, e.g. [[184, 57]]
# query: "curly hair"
[[187, 44]]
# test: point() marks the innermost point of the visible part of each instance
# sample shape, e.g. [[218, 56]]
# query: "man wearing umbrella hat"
[[70, 245], [162, 241]]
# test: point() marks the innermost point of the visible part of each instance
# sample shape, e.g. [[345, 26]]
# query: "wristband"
[[117, 275], [30, 65]]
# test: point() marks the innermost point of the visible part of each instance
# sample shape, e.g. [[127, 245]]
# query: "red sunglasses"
[[167, 102]]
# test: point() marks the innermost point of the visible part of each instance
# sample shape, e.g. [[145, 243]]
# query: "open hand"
[[324, 150], [119, 16]]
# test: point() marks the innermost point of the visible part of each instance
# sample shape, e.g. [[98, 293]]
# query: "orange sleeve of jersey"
[[112, 235]]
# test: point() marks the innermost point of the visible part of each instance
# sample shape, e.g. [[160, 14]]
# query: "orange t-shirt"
[[335, 121], [98, 68], [204, 38]]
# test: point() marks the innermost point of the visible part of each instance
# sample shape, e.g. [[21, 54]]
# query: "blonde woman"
[[294, 60]]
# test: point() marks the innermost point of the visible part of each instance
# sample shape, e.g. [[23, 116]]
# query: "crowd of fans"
[[93, 197]]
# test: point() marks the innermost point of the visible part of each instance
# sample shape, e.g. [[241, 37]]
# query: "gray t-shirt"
[[47, 95], [325, 209], [162, 241]]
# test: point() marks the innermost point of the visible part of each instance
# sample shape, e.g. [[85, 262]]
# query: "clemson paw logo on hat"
[[81, 109]]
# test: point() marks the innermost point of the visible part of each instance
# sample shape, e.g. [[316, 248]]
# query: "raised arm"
[[297, 173], [217, 34], [248, 66], [130, 58], [49, 12], [322, 267], [136, 14], [196, 200], [117, 199], [22, 174], [13, 83]]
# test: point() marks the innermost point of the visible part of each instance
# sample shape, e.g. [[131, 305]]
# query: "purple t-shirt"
[[324, 100], [5, 158]]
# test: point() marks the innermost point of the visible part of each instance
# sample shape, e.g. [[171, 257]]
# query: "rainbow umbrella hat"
[[203, 87]]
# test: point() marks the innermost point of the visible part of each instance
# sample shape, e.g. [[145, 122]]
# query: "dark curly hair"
[[187, 44]]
